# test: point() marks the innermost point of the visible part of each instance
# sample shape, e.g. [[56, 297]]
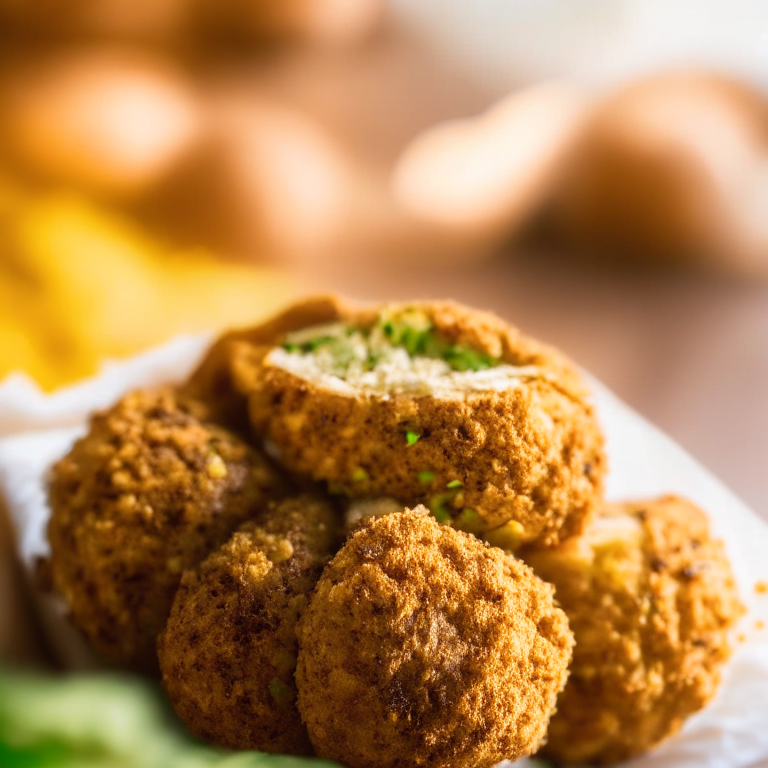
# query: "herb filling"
[[401, 354]]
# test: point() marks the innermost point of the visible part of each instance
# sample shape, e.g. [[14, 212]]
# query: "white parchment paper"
[[732, 732]]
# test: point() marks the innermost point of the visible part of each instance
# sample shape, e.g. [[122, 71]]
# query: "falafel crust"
[[147, 493], [228, 653], [650, 598], [422, 646], [523, 449]]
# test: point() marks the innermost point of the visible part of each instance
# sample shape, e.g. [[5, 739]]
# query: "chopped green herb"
[[410, 329], [342, 347], [455, 484], [320, 341], [508, 536], [462, 358], [281, 692], [469, 521], [412, 437], [414, 340], [426, 476], [359, 475], [438, 506]]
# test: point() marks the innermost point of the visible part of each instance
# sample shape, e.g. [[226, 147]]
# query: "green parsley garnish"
[[412, 437], [469, 521], [281, 692], [410, 329], [308, 346], [438, 506], [455, 484], [426, 476], [462, 358], [508, 536]]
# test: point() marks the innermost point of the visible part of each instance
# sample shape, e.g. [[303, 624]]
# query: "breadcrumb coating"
[[529, 454], [422, 646], [650, 598], [221, 378], [228, 653], [147, 493]]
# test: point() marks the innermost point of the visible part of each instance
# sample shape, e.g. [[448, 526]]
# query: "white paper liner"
[[731, 732]]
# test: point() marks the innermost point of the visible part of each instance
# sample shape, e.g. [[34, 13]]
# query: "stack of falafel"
[[378, 535]]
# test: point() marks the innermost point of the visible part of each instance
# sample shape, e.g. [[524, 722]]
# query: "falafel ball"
[[148, 492], [228, 653], [429, 403], [650, 598], [223, 377], [423, 646]]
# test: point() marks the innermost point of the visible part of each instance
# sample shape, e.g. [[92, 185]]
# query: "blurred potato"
[[109, 121], [266, 182], [482, 178], [672, 169]]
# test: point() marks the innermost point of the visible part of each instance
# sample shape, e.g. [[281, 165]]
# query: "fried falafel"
[[223, 377], [427, 403], [423, 646], [147, 493], [650, 598], [228, 653]]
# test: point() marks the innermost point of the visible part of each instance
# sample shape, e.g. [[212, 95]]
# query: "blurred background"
[[594, 171]]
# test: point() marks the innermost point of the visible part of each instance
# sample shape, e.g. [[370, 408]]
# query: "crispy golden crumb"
[[422, 646], [228, 653], [218, 382], [531, 453], [147, 493], [650, 598]]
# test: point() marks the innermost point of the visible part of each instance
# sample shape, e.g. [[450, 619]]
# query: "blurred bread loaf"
[[672, 169], [482, 178]]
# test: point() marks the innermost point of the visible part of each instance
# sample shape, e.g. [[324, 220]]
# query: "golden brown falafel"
[[422, 646], [147, 493], [650, 598], [428, 403], [222, 379], [228, 653]]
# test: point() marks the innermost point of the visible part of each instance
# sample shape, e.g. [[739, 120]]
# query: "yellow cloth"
[[78, 284]]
